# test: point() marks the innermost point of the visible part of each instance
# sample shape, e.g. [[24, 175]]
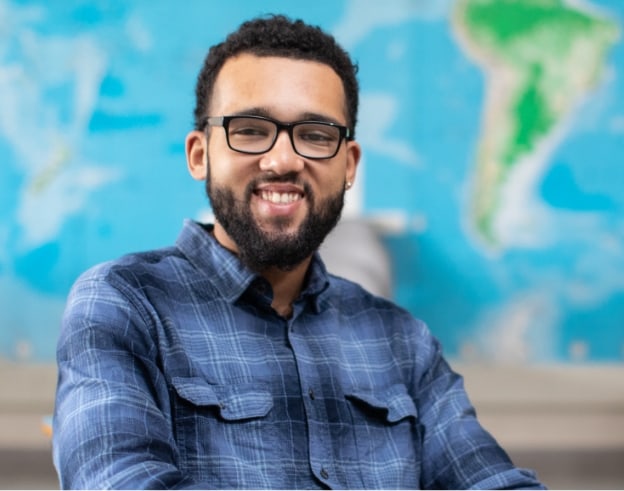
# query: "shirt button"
[[311, 394], [324, 473]]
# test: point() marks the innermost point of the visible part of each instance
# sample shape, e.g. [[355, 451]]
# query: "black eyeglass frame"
[[224, 121]]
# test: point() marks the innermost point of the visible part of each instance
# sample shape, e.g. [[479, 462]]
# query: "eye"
[[317, 134], [250, 129]]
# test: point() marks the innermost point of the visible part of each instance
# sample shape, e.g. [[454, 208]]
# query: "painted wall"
[[493, 146]]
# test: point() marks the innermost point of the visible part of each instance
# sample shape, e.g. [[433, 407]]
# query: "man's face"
[[275, 208]]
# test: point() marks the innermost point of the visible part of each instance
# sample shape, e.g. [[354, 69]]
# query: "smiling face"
[[275, 208]]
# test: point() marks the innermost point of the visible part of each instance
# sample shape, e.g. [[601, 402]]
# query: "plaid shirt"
[[174, 371]]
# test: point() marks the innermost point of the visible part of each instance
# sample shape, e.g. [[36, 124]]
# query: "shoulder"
[[135, 281], [120, 293], [135, 269], [352, 295], [356, 302]]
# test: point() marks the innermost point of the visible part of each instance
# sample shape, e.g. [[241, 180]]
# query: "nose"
[[282, 158]]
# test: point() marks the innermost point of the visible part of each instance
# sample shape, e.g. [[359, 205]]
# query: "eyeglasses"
[[257, 134]]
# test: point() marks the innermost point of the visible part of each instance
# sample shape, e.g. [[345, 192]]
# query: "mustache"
[[289, 178]]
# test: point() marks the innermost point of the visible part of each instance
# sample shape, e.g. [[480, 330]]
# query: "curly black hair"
[[278, 35]]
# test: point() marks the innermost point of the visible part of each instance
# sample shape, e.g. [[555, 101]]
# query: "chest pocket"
[[387, 435], [222, 424], [231, 402], [392, 405]]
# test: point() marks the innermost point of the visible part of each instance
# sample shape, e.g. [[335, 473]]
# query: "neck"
[[286, 285]]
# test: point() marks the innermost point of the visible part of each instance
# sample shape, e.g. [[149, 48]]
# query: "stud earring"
[[348, 185]]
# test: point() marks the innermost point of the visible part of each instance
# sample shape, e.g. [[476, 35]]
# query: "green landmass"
[[548, 56]]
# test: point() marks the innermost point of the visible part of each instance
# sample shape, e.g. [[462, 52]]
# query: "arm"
[[458, 453], [111, 429]]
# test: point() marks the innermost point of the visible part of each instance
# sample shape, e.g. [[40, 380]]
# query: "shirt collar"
[[225, 270]]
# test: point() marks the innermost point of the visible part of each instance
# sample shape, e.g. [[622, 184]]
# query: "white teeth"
[[275, 197]]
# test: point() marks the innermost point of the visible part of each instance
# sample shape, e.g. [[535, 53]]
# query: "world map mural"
[[493, 167]]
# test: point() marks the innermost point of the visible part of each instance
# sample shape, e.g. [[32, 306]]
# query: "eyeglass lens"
[[252, 135]]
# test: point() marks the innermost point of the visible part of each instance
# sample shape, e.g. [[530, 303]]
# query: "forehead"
[[283, 87]]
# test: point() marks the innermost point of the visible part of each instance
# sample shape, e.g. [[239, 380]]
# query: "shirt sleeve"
[[458, 453], [109, 428]]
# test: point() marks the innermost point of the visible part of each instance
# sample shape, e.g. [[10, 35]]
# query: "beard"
[[260, 249]]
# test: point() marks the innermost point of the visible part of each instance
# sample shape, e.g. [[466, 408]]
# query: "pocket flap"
[[235, 402], [394, 402]]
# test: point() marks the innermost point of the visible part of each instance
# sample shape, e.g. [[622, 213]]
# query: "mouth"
[[279, 193], [279, 201], [278, 198]]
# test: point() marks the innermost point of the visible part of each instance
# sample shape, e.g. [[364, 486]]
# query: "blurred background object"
[[489, 201]]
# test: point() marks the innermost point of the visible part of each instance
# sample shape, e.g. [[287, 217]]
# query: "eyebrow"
[[307, 116]]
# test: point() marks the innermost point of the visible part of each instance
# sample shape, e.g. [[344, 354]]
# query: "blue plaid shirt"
[[175, 372]]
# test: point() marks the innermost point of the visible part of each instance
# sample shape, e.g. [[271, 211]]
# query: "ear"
[[354, 153], [196, 148]]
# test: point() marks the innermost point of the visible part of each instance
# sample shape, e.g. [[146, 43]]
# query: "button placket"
[[316, 418]]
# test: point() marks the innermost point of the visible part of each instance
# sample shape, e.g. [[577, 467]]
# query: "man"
[[233, 359]]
